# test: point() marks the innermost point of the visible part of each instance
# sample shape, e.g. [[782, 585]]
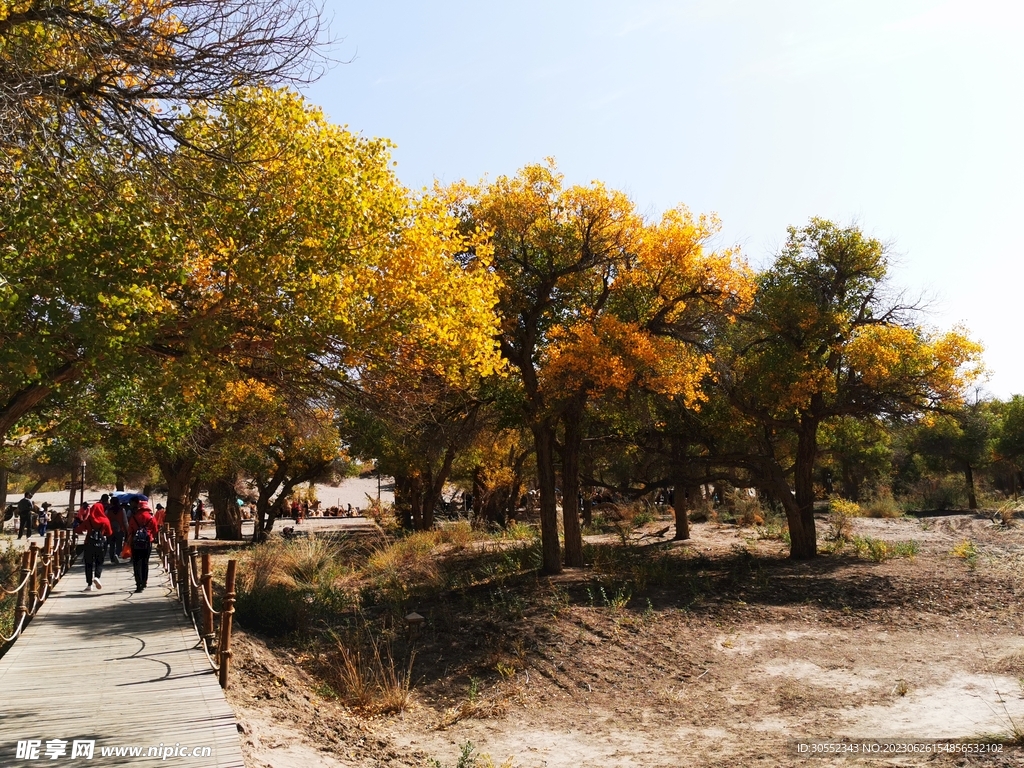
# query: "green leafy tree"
[[825, 339]]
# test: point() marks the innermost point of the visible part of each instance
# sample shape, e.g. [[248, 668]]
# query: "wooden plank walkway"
[[120, 668]]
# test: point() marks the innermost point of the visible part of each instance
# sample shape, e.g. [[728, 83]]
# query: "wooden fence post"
[[22, 608], [227, 612]]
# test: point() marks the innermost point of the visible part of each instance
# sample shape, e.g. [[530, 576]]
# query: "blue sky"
[[906, 117]]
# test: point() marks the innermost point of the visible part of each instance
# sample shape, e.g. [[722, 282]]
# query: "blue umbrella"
[[126, 498]]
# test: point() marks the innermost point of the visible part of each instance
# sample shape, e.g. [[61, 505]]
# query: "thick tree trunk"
[[226, 513], [178, 476], [544, 444], [572, 420], [803, 537], [403, 505], [972, 498]]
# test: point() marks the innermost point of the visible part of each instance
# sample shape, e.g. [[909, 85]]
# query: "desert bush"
[[309, 563], [702, 511], [840, 519], [966, 550], [881, 504], [261, 564], [880, 551], [774, 526], [518, 531], [1007, 512], [938, 492], [469, 759], [746, 510], [396, 567], [458, 533], [365, 674], [383, 515], [286, 587]]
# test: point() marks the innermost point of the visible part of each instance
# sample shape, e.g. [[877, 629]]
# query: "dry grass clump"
[[459, 534], [367, 677], [312, 562], [395, 567], [881, 504], [746, 509], [880, 551], [1008, 511], [507, 691], [518, 531]]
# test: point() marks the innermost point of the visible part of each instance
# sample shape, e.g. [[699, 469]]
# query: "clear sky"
[[904, 116]]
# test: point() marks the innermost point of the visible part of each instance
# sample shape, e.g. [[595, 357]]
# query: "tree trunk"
[[3, 495], [544, 444], [680, 495], [403, 506], [587, 463], [226, 513], [572, 420], [178, 474], [803, 537], [416, 502], [972, 498]]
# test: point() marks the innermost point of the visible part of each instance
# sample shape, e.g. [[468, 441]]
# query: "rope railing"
[[194, 589], [41, 569]]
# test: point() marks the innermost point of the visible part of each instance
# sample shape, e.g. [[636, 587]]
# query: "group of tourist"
[[108, 530]]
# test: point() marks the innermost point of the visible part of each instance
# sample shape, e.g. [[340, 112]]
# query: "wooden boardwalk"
[[117, 668]]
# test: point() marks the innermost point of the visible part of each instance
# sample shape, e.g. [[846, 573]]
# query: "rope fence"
[[41, 569], [192, 580]]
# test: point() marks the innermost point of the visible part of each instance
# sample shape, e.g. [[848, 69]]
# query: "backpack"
[[96, 540], [141, 540]]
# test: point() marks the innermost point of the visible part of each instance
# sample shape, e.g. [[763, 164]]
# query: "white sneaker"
[[88, 589], [96, 583]]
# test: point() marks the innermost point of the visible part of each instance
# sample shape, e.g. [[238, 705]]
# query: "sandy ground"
[[746, 656]]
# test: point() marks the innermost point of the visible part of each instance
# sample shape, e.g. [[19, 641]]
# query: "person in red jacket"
[[95, 527], [142, 532]]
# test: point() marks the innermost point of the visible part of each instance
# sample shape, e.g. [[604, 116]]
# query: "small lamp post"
[[83, 481], [414, 621]]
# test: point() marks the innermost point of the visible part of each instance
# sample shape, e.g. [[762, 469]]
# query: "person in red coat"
[[95, 528], [142, 532]]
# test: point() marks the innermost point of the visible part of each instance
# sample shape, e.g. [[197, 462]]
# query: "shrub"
[[880, 551], [840, 519], [966, 550], [944, 492], [881, 504], [746, 509], [383, 515], [518, 531], [394, 568], [310, 563], [459, 533], [366, 676]]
